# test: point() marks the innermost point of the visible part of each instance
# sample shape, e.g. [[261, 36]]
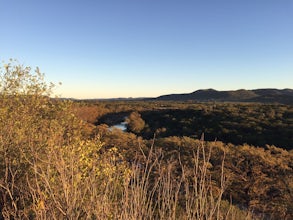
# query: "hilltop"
[[284, 96]]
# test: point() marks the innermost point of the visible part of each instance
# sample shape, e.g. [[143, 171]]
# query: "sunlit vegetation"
[[237, 123], [256, 179], [135, 122], [60, 160], [260, 176], [48, 170]]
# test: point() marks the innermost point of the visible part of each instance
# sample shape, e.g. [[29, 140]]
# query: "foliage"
[[47, 168], [237, 123], [135, 122], [256, 179], [53, 165]]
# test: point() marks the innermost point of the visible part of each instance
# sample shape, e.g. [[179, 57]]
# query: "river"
[[122, 126]]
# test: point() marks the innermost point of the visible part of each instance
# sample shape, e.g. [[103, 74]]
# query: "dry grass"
[[58, 187]]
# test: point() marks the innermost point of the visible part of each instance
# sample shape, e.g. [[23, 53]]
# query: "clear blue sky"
[[143, 48]]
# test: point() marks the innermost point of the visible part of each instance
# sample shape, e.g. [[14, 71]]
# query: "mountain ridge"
[[267, 95]]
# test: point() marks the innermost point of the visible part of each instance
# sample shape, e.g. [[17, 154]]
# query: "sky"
[[148, 48]]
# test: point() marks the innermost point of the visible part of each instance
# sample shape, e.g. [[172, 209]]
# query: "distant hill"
[[284, 96]]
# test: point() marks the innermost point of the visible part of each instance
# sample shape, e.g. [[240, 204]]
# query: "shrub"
[[135, 122], [47, 169]]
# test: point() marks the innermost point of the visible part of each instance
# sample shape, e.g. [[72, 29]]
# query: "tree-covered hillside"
[[237, 123], [281, 96]]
